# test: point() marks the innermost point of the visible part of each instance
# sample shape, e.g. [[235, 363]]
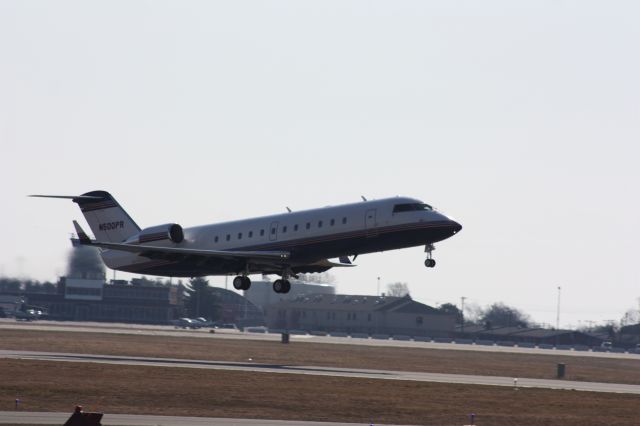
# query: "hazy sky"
[[519, 119]]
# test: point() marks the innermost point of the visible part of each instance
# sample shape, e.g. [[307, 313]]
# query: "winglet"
[[82, 236]]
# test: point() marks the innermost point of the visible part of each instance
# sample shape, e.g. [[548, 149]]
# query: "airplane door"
[[273, 231], [370, 220]]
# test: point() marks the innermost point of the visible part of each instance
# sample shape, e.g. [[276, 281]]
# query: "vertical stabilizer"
[[107, 220]]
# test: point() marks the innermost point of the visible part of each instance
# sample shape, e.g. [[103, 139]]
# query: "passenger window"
[[273, 231], [250, 234], [320, 224], [284, 229], [228, 237], [295, 228], [215, 239], [333, 222], [344, 220], [239, 235], [262, 232], [308, 225]]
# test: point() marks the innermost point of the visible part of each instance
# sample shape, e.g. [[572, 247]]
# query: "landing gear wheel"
[[246, 283], [241, 283], [238, 282], [430, 263], [281, 286]]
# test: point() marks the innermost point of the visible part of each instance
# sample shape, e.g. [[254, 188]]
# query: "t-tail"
[[106, 218]]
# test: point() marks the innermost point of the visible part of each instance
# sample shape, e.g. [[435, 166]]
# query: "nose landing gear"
[[430, 262]]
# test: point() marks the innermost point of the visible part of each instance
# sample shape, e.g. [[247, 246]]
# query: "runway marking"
[[325, 371]]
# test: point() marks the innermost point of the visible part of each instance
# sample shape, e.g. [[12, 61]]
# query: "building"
[[92, 299], [629, 336], [360, 314], [535, 336], [10, 304], [261, 293], [237, 309]]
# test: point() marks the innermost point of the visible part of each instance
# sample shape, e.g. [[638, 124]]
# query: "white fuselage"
[[309, 235]]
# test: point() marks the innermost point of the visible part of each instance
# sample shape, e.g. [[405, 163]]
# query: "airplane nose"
[[456, 226]]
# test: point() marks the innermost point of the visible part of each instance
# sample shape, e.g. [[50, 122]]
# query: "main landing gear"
[[281, 286], [241, 282], [430, 262]]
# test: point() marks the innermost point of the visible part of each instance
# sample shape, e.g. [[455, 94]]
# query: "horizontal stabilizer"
[[68, 197]]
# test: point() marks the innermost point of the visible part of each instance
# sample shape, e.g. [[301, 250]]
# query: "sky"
[[519, 119]]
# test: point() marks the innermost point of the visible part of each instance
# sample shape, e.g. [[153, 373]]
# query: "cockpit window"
[[411, 207]]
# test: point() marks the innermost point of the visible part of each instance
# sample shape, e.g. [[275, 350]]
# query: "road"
[[25, 417], [325, 371], [164, 330]]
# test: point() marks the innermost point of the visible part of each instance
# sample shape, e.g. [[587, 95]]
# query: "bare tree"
[[632, 316], [398, 289]]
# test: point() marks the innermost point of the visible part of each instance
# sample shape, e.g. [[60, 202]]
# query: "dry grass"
[[58, 386], [347, 356]]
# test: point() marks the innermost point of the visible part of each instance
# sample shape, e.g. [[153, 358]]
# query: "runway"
[[326, 371], [48, 418], [164, 330]]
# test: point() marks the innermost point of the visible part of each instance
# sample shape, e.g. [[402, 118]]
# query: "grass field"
[[348, 356], [59, 386]]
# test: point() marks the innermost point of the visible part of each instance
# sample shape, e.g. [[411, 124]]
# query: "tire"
[[278, 286], [238, 283], [246, 283]]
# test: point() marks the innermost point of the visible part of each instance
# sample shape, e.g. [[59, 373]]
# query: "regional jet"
[[283, 244]]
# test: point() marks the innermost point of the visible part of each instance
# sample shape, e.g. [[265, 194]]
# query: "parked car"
[[228, 326], [203, 322], [185, 323]]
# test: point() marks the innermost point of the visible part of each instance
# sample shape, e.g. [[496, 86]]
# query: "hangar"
[[360, 314]]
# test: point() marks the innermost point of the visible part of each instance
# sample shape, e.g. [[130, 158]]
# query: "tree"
[[201, 301], [632, 316], [398, 289], [501, 315], [10, 285], [451, 309]]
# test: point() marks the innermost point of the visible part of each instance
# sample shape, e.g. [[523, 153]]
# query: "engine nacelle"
[[170, 231]]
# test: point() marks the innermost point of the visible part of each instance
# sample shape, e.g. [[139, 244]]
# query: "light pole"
[[462, 313], [378, 292], [558, 310]]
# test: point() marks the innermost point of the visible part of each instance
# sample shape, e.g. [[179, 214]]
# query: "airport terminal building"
[[90, 298], [369, 315]]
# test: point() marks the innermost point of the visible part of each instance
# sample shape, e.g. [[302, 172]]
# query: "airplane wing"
[[155, 251], [145, 250]]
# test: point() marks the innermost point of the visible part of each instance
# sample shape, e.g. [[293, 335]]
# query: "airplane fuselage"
[[309, 236]]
